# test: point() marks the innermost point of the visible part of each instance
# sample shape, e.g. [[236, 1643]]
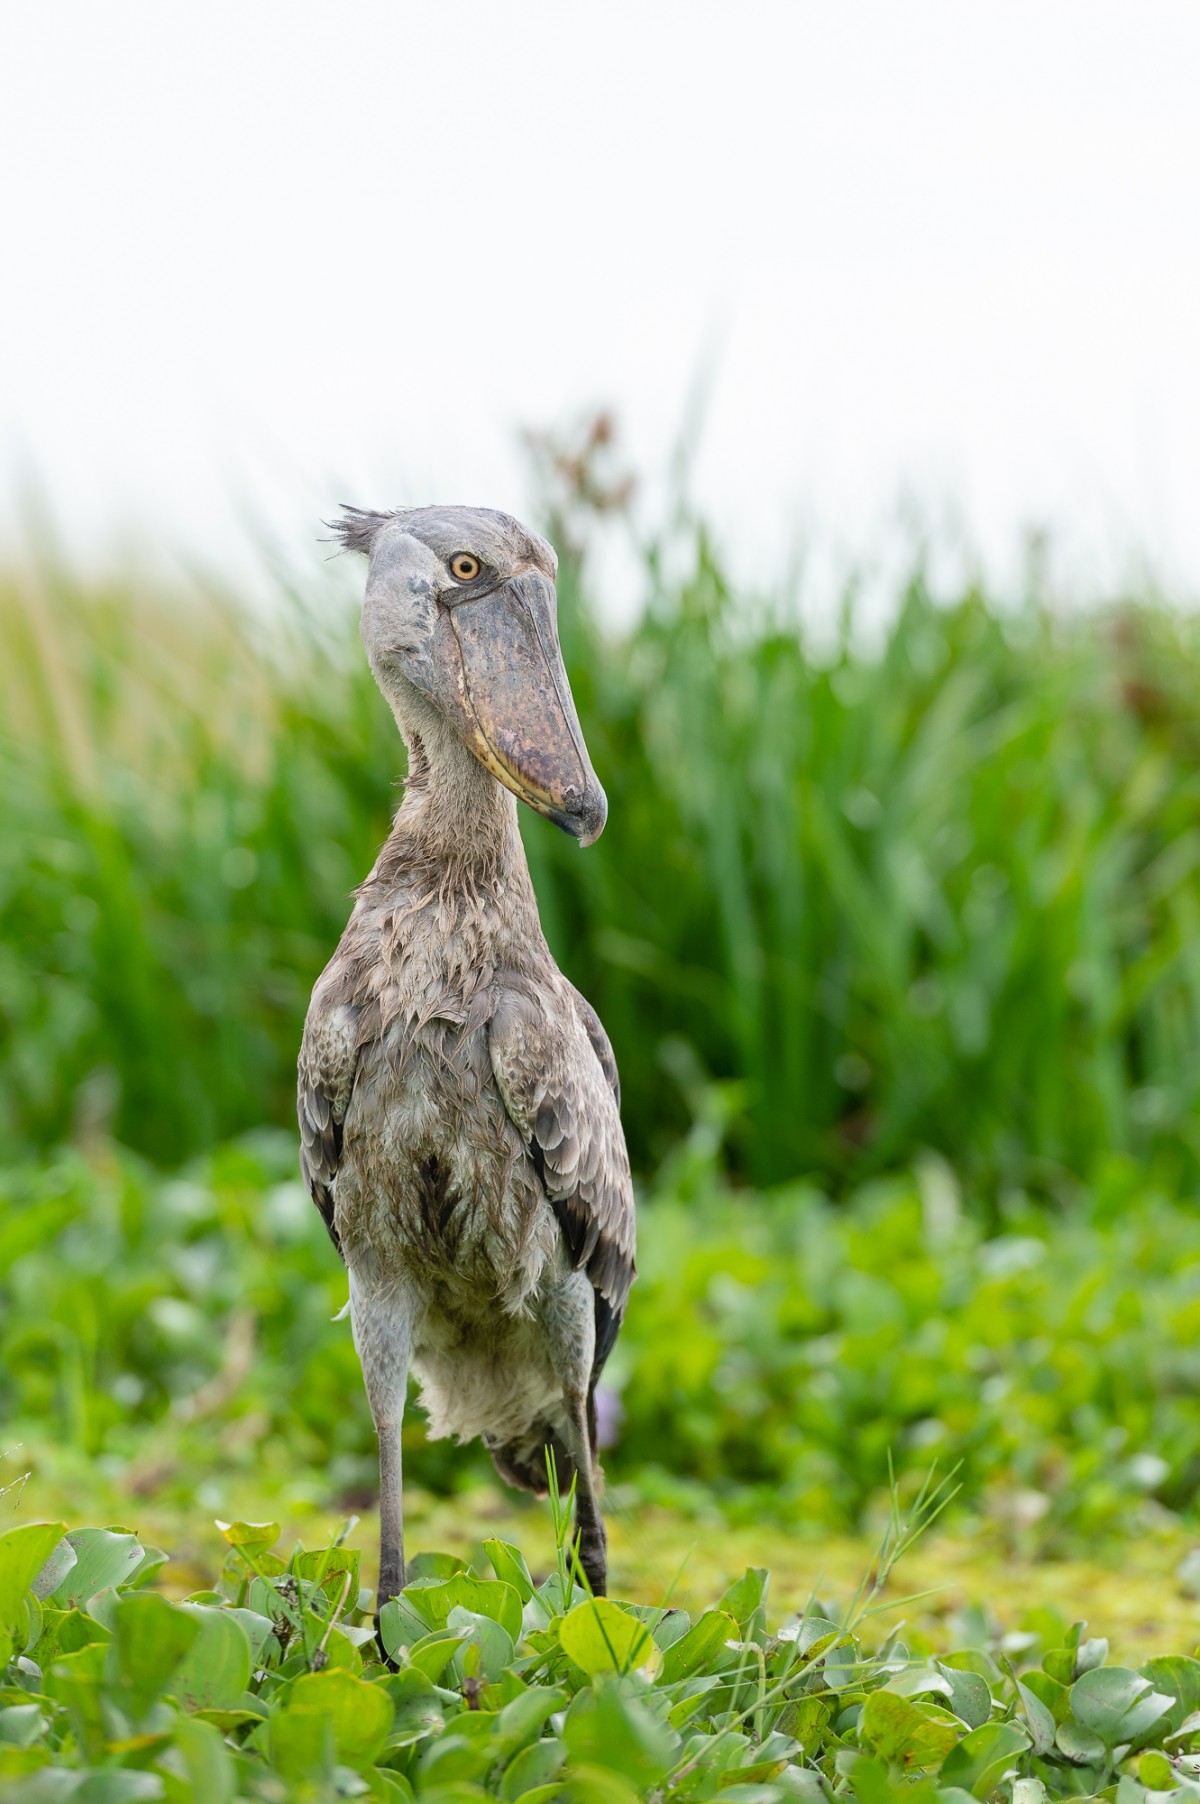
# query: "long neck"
[[456, 821]]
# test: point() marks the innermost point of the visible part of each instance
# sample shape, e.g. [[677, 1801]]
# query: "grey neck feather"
[[455, 816]]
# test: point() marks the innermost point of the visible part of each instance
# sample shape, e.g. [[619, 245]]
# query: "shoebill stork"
[[458, 1097]]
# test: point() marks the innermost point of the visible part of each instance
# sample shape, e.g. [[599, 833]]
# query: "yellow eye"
[[463, 567]]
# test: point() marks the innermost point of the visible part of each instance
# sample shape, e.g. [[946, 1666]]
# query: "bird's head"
[[460, 615]]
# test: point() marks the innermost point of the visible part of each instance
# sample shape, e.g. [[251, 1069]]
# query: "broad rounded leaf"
[[216, 1669], [914, 1736], [23, 1553], [104, 1558], [150, 1639], [361, 1713], [696, 1649], [600, 1636], [982, 1758], [483, 1597], [252, 1536], [1117, 1704]]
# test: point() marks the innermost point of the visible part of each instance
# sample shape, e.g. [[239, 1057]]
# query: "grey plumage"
[[458, 1098]]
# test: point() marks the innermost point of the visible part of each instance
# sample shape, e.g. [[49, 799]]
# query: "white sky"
[[262, 257]]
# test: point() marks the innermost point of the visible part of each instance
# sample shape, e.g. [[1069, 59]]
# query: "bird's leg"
[[567, 1311], [382, 1318], [589, 1524]]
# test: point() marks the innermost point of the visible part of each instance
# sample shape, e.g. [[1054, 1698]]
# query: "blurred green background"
[[896, 934]]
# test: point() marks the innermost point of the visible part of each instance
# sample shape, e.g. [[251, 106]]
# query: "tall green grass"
[[939, 891]]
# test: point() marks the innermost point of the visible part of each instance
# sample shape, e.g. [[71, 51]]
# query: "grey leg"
[[589, 1524], [568, 1316], [382, 1319]]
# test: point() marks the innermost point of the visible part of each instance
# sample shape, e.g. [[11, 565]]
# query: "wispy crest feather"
[[356, 529]]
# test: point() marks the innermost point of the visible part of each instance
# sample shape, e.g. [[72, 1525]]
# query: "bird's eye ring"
[[463, 567]]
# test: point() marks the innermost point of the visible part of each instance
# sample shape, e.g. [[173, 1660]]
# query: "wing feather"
[[325, 1081], [557, 1075]]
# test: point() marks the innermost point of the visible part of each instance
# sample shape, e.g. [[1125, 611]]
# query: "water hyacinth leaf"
[[1118, 1705], [361, 1714], [486, 1650], [969, 1697], [914, 1736], [982, 1757], [482, 1597], [24, 1551], [432, 1563], [697, 1649], [335, 1568], [302, 1746], [206, 1760], [21, 1725], [1039, 1720], [453, 1759], [533, 1768], [104, 1558], [75, 1682], [434, 1652], [258, 1630], [1180, 1676], [54, 1571], [250, 1537], [607, 1728], [150, 1639], [1056, 1697], [599, 1637], [1028, 1791], [745, 1600], [1083, 1747], [401, 1626], [508, 1563], [416, 1708], [522, 1719], [1059, 1663], [918, 1681], [216, 1669], [1155, 1771]]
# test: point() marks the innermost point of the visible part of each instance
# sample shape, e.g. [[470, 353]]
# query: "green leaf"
[[914, 1736], [432, 1564], [1178, 1675], [697, 1648], [150, 1638], [1155, 1771], [216, 1670], [104, 1558], [24, 1552], [508, 1563], [1118, 1705], [206, 1760], [745, 1600], [1083, 1747], [332, 1565], [535, 1766], [55, 1569], [483, 1597], [969, 1698], [434, 1652], [416, 1707], [361, 1713], [607, 1728], [522, 1720], [487, 1649], [982, 1758], [599, 1636], [1038, 1718], [251, 1537]]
